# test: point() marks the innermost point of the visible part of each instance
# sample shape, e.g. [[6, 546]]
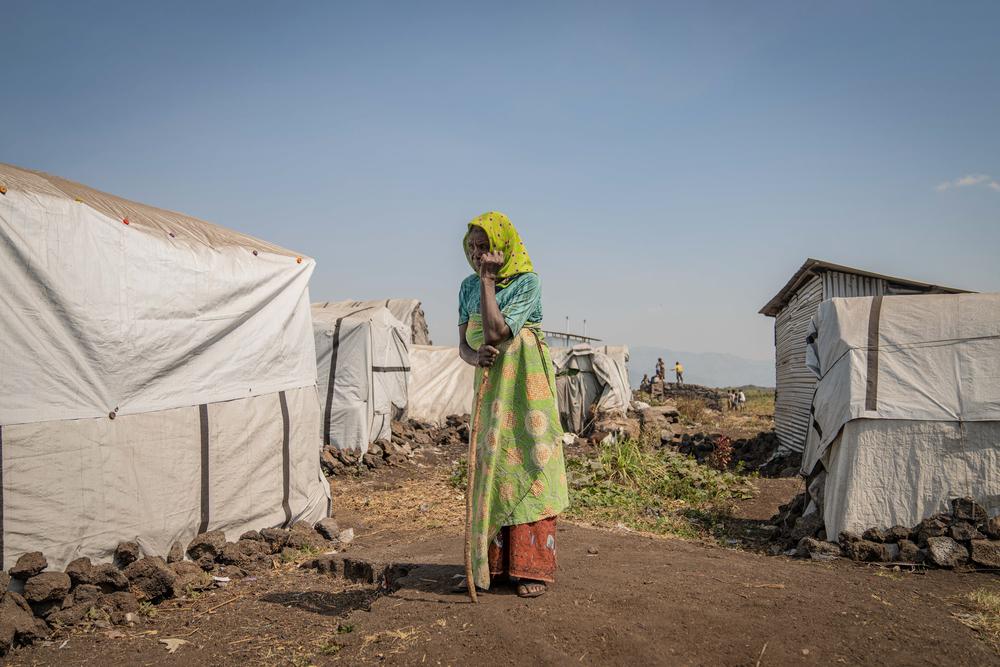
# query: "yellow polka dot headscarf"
[[504, 238]]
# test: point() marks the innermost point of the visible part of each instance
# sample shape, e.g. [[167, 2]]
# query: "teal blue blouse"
[[519, 302]]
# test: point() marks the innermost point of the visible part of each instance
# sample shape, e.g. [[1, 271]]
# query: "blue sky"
[[669, 165]]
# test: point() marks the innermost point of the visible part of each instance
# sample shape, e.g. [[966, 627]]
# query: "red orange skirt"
[[525, 551]]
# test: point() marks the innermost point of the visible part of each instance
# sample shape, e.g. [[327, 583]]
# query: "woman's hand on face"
[[489, 264], [488, 355]]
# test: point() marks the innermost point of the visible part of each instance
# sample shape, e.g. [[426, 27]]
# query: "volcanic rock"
[[817, 550], [28, 565], [867, 551], [277, 538], [807, 526], [964, 531], [80, 571], [967, 509], [86, 593], [897, 533], [109, 578], [985, 553], [152, 578], [118, 605], [190, 577], [328, 528], [127, 553], [946, 552], [176, 553], [18, 623], [932, 526], [302, 536], [246, 554], [206, 547], [47, 586], [909, 552]]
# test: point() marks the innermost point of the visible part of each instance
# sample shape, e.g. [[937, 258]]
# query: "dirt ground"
[[621, 598]]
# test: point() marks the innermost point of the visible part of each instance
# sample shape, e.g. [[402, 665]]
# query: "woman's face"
[[478, 244]]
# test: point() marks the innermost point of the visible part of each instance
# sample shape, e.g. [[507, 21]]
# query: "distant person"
[[733, 398], [644, 385], [661, 369], [679, 371], [742, 400]]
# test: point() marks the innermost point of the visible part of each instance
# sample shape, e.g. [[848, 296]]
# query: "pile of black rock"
[[698, 445], [965, 536], [101, 595], [713, 398], [408, 438], [759, 454]]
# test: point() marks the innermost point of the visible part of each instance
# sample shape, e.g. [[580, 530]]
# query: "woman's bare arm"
[[484, 357], [495, 328], [465, 351]]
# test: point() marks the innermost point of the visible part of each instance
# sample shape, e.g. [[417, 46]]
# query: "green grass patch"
[[654, 490], [644, 488]]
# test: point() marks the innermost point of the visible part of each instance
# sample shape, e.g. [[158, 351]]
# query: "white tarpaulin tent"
[[407, 311], [441, 383], [588, 378], [907, 408], [158, 376], [363, 363]]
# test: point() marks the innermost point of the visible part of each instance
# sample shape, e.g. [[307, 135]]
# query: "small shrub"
[[986, 617], [459, 475], [691, 410]]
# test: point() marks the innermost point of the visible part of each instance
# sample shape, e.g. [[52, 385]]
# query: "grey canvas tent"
[[157, 376], [906, 414], [589, 380], [363, 361]]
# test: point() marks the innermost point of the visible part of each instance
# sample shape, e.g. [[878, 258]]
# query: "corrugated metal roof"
[[813, 267]]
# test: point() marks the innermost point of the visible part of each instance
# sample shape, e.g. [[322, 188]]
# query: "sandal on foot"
[[531, 589]]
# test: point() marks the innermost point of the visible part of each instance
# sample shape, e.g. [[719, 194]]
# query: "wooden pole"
[[473, 438]]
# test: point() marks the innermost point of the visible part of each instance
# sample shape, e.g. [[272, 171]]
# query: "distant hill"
[[712, 369]]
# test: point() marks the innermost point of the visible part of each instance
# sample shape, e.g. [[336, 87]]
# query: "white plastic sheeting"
[[407, 311], [363, 363], [587, 379], [102, 317], [927, 357], [892, 472], [158, 375], [906, 414], [440, 384], [79, 487]]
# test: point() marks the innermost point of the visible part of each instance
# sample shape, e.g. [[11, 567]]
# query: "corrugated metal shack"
[[792, 308]]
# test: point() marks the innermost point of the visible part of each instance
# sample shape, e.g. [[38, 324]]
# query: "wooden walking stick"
[[473, 437]]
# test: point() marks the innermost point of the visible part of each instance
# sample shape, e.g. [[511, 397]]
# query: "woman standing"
[[519, 483]]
